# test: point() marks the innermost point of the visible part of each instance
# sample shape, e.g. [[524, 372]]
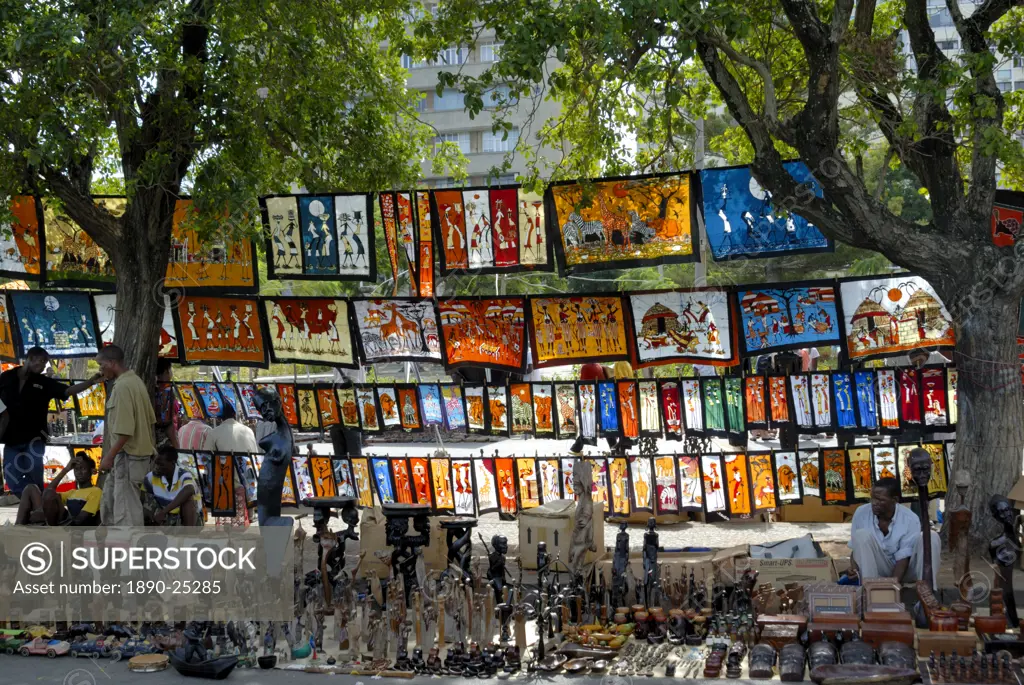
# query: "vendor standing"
[[26, 394]]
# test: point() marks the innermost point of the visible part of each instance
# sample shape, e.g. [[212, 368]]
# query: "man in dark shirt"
[[26, 394]]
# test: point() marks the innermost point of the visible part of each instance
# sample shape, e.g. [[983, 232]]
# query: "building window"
[[948, 44], [505, 180], [941, 18], [449, 101], [1018, 62], [445, 183], [1004, 86], [1004, 74], [490, 52], [493, 142], [1019, 85], [452, 56], [407, 63], [499, 96], [421, 103], [460, 139]]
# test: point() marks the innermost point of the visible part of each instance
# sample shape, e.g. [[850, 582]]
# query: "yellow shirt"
[[83, 499], [130, 413]]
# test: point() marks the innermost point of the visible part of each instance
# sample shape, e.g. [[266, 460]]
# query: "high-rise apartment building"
[[1009, 71]]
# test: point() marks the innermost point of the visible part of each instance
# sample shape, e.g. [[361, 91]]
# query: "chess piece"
[[277, 455], [650, 561], [1004, 549]]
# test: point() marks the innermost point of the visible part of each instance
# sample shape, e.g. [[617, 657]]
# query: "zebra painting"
[[578, 232], [640, 232]]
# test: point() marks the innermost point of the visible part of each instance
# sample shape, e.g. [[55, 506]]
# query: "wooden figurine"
[[1004, 549], [583, 522], [959, 534]]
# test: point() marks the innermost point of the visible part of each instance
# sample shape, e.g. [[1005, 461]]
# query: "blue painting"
[[867, 408], [64, 324], [846, 417], [788, 316], [382, 477], [227, 391], [607, 404], [742, 220], [211, 398], [454, 408], [319, 235], [430, 402]]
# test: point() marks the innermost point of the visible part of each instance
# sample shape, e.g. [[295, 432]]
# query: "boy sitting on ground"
[[170, 496], [78, 507]]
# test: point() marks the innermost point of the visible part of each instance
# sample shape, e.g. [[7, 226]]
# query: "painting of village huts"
[[887, 316], [679, 326]]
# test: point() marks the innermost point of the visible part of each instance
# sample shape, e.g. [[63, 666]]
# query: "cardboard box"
[[778, 572], [552, 523]]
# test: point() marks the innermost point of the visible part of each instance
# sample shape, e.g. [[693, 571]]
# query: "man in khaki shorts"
[[128, 445]]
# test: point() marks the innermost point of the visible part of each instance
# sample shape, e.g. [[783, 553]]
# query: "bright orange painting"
[[364, 487], [322, 473], [421, 480], [228, 330], [7, 349], [763, 479], [737, 484], [403, 484], [441, 474], [349, 407], [753, 390], [426, 246], [506, 486], [529, 488], [328, 405], [629, 409], [618, 483], [409, 408], [575, 329], [19, 240], [486, 331], [291, 411], [218, 262], [779, 401], [453, 228], [834, 466], [522, 408]]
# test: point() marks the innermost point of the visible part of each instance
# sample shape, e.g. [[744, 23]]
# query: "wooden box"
[[552, 523], [888, 617], [964, 642], [877, 633]]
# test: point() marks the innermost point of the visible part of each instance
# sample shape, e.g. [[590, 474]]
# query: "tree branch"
[[864, 19], [992, 11], [100, 224], [771, 108]]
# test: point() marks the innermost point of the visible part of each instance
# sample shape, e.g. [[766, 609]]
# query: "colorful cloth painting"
[[188, 396], [409, 408], [666, 485], [833, 464], [382, 480], [691, 496], [842, 390], [349, 405], [290, 489], [860, 472], [742, 220], [821, 400], [20, 239], [369, 414], [213, 403], [683, 326], [397, 329], [305, 401], [64, 324], [455, 408], [441, 480], [734, 405], [204, 467], [599, 471], [737, 484], [529, 485], [430, 404], [327, 403], [106, 315], [568, 465], [952, 379], [73, 258], [778, 399], [419, 470], [693, 406], [629, 410], [608, 408], [230, 397], [289, 405], [938, 483], [577, 329], [343, 477], [534, 246], [787, 478], [322, 237], [714, 487], [484, 332], [93, 402], [887, 316], [588, 412], [246, 466], [214, 265], [754, 401], [497, 409], [618, 484], [426, 244], [507, 503], [223, 485], [476, 409], [888, 400], [810, 472], [522, 409], [867, 405], [387, 400], [762, 480], [883, 462], [322, 473], [389, 219], [363, 482], [950, 455], [910, 396], [401, 235], [568, 410], [620, 223], [247, 398], [650, 410], [550, 480], [544, 420], [787, 316], [310, 330], [451, 230], [933, 394], [641, 482], [800, 386], [714, 411], [8, 349], [402, 480], [1007, 218], [226, 330], [671, 409], [486, 486]]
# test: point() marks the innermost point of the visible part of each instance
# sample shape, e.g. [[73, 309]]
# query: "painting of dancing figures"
[[310, 330], [577, 329], [397, 329], [222, 329]]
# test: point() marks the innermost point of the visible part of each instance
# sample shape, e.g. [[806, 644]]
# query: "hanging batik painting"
[[618, 485], [369, 414], [486, 486], [693, 406], [401, 236], [608, 408], [544, 421], [883, 462], [402, 480], [506, 487], [484, 332], [387, 400], [327, 405], [712, 475], [577, 329], [671, 409], [8, 350], [666, 485], [588, 412], [343, 477], [21, 241], [886, 316], [321, 237], [476, 409], [450, 222], [349, 407], [860, 472], [933, 395], [290, 488], [247, 397], [534, 247], [289, 405], [952, 378], [213, 404], [762, 480], [910, 396], [363, 481], [939, 482], [1007, 218], [409, 408], [599, 471], [497, 409], [734, 405], [821, 400], [787, 478], [754, 402], [802, 414], [842, 390], [714, 409], [73, 259], [455, 408], [63, 324], [529, 485], [310, 330], [223, 503], [568, 466], [810, 472], [219, 264], [888, 400], [522, 408], [441, 479], [787, 316], [621, 223], [227, 392], [833, 464], [629, 411], [742, 221], [305, 399], [737, 484], [397, 329], [382, 480], [430, 404], [550, 480], [322, 472], [778, 399], [950, 455], [908, 488], [249, 479], [303, 483], [650, 410], [568, 415], [691, 496], [867, 405], [426, 244], [225, 330], [419, 468], [106, 317], [642, 485], [187, 393], [92, 403], [204, 467], [683, 326]]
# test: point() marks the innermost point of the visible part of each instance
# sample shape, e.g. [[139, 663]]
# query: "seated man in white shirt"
[[230, 435], [886, 538]]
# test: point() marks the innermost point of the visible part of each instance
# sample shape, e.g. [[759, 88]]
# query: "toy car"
[[40, 645], [12, 640], [93, 649], [131, 648]]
